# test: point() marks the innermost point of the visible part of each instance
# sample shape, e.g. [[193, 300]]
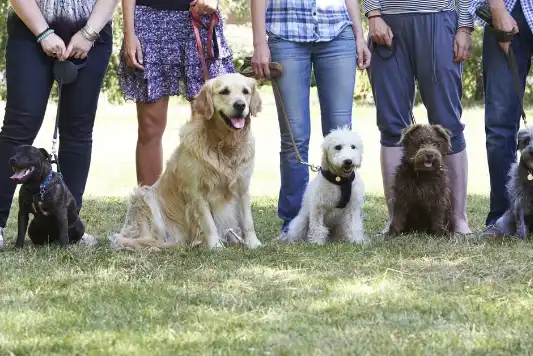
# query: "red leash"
[[213, 21]]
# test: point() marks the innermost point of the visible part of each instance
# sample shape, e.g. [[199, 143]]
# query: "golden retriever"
[[204, 189]]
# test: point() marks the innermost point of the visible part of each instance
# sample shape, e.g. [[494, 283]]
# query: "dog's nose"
[[12, 161], [430, 156], [348, 162], [239, 105]]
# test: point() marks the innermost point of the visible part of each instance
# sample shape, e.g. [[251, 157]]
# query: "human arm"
[[133, 54], [502, 20], [30, 14], [363, 54], [462, 44], [83, 40], [261, 55]]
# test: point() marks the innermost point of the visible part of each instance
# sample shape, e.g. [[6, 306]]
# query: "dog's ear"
[[202, 104], [444, 134], [406, 133], [256, 105], [523, 139], [44, 153]]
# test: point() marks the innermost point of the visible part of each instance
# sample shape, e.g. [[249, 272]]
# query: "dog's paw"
[[88, 240], [357, 239], [317, 240], [252, 243]]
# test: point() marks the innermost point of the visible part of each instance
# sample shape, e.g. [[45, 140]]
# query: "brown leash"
[[276, 70], [212, 50]]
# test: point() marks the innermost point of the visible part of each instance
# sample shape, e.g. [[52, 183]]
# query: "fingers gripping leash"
[[502, 36], [276, 70]]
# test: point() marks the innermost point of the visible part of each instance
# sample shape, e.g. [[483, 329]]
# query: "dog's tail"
[[143, 226], [121, 242]]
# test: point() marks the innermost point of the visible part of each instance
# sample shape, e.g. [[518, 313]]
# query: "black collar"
[[345, 184]]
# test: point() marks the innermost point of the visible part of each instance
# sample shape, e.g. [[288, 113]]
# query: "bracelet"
[[89, 33], [44, 34], [374, 16], [465, 31]]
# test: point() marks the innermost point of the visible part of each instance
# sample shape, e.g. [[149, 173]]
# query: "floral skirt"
[[171, 62]]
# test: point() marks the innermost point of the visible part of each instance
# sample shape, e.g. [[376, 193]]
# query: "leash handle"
[[212, 52], [485, 14]]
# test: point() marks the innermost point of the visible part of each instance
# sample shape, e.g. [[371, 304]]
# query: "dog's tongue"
[[428, 164], [18, 174], [237, 122]]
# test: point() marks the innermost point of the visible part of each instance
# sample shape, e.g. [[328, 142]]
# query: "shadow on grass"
[[413, 295]]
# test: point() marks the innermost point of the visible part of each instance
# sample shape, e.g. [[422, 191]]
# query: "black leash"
[[485, 14], [65, 72]]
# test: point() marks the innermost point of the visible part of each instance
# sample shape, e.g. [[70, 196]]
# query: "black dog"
[[43, 194], [518, 219]]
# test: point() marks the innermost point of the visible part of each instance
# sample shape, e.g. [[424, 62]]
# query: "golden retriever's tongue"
[[237, 122]]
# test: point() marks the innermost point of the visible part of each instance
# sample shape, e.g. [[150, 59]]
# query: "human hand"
[[205, 7], [261, 60], [53, 45], [78, 47], [133, 54], [462, 45], [503, 21], [380, 32], [363, 53]]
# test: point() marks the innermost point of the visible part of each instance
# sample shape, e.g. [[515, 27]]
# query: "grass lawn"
[[415, 295]]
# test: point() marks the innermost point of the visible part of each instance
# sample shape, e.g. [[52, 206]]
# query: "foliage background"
[[237, 13]]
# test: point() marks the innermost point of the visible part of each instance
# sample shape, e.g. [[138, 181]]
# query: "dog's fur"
[[55, 213], [422, 197], [319, 218], [204, 189], [518, 219]]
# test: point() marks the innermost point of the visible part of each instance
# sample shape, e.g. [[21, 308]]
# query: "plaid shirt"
[[527, 8], [306, 20]]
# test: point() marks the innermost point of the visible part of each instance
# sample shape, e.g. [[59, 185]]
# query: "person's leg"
[[393, 86], [152, 119], [294, 86], [502, 110], [29, 80], [441, 89], [79, 102], [335, 65]]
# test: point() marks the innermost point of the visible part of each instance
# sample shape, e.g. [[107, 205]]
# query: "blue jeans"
[[334, 65], [29, 82], [502, 108]]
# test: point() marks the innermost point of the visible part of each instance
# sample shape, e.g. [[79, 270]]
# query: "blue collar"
[[46, 184]]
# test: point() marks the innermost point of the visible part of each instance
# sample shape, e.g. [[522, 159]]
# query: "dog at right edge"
[[422, 196], [518, 219]]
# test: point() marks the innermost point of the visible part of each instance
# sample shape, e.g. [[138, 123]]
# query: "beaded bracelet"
[[44, 34]]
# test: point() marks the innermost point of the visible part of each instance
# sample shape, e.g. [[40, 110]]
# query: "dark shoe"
[[491, 231]]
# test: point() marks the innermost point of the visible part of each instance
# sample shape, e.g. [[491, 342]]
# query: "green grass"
[[416, 295]]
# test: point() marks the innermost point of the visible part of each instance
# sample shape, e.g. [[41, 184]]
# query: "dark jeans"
[[29, 82], [502, 110], [423, 52]]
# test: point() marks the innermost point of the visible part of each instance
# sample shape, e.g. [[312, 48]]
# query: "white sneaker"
[[1, 238]]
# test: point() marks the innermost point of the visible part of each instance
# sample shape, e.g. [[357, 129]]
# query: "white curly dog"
[[333, 201]]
